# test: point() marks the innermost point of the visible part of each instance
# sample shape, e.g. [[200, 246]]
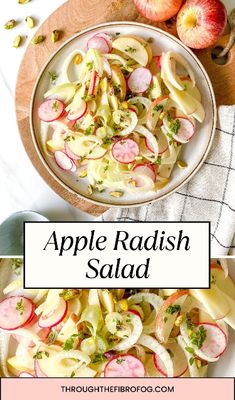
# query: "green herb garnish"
[[198, 337], [53, 76], [16, 264], [173, 309], [20, 307]]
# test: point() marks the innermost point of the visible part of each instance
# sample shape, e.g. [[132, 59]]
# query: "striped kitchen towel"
[[208, 196]]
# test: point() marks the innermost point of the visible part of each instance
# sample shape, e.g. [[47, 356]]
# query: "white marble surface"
[[21, 186]]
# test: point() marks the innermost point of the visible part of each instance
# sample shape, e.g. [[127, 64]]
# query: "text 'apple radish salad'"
[[117, 332], [122, 123]]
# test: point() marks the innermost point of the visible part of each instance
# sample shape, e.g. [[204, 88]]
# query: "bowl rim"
[[113, 204]]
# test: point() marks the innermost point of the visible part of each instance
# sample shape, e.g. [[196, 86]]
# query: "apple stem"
[[231, 41]]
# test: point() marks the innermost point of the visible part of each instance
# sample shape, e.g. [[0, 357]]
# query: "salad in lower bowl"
[[117, 332], [120, 115]]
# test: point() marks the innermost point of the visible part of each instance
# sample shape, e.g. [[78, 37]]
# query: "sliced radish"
[[54, 317], [38, 371], [139, 80], [146, 169], [99, 43], [158, 62], [216, 340], [69, 152], [186, 130], [92, 86], [180, 364], [63, 161], [162, 143], [16, 312], [42, 333], [79, 113], [107, 38], [125, 151], [74, 167], [51, 110], [124, 366], [26, 375]]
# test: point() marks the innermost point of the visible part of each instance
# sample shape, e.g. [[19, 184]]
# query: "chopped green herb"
[[72, 374], [191, 360], [16, 265], [69, 294], [173, 309], [88, 130], [107, 141], [198, 337], [97, 358], [55, 106], [39, 355], [213, 280], [130, 49], [158, 160], [175, 126], [69, 343], [52, 337], [20, 307], [69, 138], [158, 107], [53, 76], [120, 360], [89, 65], [189, 350]]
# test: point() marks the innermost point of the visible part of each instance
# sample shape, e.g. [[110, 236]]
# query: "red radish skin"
[[63, 161], [146, 169], [107, 38], [139, 80], [11, 317], [158, 10], [162, 144], [186, 130], [69, 152], [38, 371], [124, 366], [159, 62], [74, 168], [42, 333], [49, 321], [93, 83], [180, 364], [99, 43], [216, 340], [135, 312], [125, 151], [51, 110], [78, 114]]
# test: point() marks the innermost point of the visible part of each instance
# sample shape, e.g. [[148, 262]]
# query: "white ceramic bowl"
[[193, 153]]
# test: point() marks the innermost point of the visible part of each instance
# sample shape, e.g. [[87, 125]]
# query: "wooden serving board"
[[70, 18]]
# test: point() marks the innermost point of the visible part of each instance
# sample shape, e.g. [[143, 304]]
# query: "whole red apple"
[[158, 10], [201, 22]]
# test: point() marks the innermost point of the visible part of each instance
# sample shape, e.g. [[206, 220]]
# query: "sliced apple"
[[23, 362], [119, 81], [132, 48], [168, 313], [230, 317], [155, 110], [192, 90], [69, 328], [213, 300], [145, 44], [185, 101], [225, 284]]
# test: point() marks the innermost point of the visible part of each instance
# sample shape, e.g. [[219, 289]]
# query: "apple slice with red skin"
[[201, 22], [165, 321], [158, 10], [155, 110]]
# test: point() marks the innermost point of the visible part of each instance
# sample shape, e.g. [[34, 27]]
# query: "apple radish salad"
[[118, 332], [117, 116]]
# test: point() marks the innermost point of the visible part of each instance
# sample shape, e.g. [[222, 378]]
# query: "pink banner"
[[116, 389]]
